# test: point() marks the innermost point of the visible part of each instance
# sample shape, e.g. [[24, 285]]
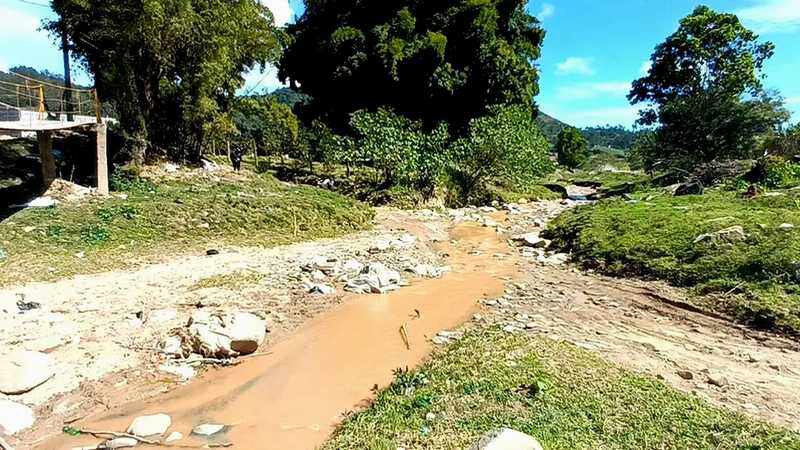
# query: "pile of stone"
[[533, 246], [210, 335], [374, 278]]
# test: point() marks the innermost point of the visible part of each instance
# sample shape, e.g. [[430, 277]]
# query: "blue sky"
[[592, 52]]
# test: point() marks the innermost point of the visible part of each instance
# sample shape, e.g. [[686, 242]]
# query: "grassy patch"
[[756, 279], [564, 396], [235, 280], [158, 220]]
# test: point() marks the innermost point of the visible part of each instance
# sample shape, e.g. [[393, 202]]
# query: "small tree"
[[505, 145], [572, 147]]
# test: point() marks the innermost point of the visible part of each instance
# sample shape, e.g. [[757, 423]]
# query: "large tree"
[[444, 60], [704, 90], [169, 66]]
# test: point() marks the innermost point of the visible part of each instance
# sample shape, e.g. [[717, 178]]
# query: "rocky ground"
[[85, 344]]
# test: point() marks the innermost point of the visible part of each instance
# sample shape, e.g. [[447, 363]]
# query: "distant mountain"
[[550, 126]]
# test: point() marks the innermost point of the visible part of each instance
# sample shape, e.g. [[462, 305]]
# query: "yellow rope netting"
[[46, 97]]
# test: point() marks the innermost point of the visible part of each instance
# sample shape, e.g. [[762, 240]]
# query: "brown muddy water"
[[294, 397]]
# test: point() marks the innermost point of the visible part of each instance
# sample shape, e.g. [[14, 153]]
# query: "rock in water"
[[22, 371], [207, 429], [120, 442], [156, 424], [226, 335], [14, 417], [375, 278], [506, 439]]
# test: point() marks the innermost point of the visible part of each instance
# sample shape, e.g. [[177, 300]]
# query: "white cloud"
[[16, 23], [792, 100], [3, 66], [575, 65], [585, 91], [772, 15], [644, 69], [547, 11], [281, 10], [256, 82]]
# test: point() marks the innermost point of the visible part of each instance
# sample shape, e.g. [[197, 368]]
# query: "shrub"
[[399, 149], [775, 172], [506, 145]]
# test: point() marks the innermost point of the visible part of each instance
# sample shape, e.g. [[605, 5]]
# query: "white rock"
[[182, 371], [375, 278], [120, 442], [171, 168], [14, 417], [353, 266], [174, 436], [226, 335], [172, 346], [506, 439], [207, 429], [156, 424], [531, 240], [22, 371], [786, 227]]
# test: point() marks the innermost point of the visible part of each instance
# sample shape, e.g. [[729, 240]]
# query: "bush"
[[775, 172], [504, 145], [399, 149], [571, 147]]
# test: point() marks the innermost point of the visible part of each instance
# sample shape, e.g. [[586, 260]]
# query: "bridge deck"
[[44, 125]]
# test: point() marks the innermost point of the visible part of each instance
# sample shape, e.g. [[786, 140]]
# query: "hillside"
[[550, 126]]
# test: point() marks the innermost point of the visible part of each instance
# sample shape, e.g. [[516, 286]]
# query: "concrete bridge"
[[37, 116]]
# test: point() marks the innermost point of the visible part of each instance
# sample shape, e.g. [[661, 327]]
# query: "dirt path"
[[316, 372]]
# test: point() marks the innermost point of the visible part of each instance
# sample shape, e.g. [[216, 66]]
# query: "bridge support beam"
[[102, 159], [45, 139]]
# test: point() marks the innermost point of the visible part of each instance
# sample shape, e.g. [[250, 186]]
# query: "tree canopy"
[[704, 90], [446, 60], [169, 66]]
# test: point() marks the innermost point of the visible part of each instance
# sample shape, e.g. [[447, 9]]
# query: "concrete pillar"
[[102, 159], [45, 139]]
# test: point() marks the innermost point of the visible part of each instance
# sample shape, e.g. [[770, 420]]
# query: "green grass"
[[566, 397], [757, 281], [163, 219]]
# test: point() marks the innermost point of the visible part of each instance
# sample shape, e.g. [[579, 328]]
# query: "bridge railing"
[[40, 100]]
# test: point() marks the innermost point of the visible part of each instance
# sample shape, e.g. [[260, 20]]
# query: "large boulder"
[[14, 417], [226, 335], [153, 425], [506, 439], [22, 371]]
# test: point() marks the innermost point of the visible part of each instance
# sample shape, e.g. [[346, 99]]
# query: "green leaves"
[[704, 91], [428, 61], [571, 147]]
